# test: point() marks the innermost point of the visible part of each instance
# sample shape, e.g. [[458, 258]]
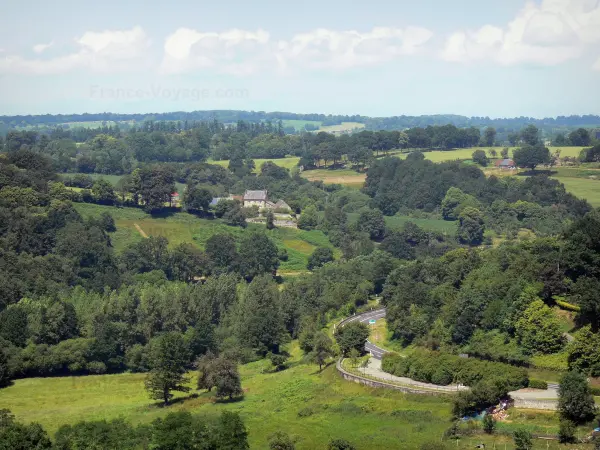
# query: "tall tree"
[[319, 257], [168, 358], [260, 322], [575, 401], [538, 329], [258, 255], [532, 156], [231, 432], [352, 335], [489, 136], [227, 378], [222, 252], [322, 349], [530, 135], [470, 226]]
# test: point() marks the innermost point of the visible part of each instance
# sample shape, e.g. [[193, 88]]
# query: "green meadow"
[[182, 227]]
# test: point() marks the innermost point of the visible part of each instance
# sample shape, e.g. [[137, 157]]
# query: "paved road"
[[376, 352]]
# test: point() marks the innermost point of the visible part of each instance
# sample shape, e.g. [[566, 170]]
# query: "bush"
[[566, 305], [566, 432], [537, 384], [522, 440], [489, 424]]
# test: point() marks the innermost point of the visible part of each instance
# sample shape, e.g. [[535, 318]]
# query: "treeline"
[[374, 123], [180, 430]]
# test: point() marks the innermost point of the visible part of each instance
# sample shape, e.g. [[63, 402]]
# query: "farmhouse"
[[258, 198], [505, 164]]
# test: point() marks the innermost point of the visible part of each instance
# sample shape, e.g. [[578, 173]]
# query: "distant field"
[[289, 162], [344, 126], [466, 153], [183, 227], [114, 179], [299, 124], [345, 177], [582, 188]]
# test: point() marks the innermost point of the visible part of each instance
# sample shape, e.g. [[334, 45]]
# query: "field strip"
[[142, 232]]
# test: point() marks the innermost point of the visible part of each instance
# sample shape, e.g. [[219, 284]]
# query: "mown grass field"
[[314, 407], [300, 124], [345, 177], [343, 127], [183, 227]]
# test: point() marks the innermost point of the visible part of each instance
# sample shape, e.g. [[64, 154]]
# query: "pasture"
[[289, 162], [344, 127], [182, 227], [311, 406]]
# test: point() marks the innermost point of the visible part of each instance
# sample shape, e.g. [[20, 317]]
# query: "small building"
[[174, 198], [281, 205], [258, 198], [505, 164]]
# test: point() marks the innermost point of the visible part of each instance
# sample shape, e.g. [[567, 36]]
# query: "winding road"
[[524, 398]]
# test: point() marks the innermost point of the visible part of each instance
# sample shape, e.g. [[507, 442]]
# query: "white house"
[[258, 198]]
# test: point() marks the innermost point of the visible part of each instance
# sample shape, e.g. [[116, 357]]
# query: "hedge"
[[537, 384], [444, 369], [566, 305]]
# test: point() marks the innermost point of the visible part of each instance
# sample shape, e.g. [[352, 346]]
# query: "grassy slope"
[[397, 223], [183, 227]]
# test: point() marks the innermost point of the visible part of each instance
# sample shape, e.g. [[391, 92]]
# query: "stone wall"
[[526, 403]]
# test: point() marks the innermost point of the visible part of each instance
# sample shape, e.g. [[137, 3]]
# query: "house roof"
[[505, 162], [215, 200], [255, 196]]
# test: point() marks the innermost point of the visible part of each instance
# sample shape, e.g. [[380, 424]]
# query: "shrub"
[[566, 305], [537, 384], [522, 440], [489, 424], [566, 432]]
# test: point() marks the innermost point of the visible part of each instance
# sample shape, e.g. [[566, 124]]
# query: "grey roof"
[[282, 204], [507, 162], [215, 200], [255, 196]]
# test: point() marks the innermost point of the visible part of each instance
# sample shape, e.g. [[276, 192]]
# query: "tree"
[[531, 156], [180, 431], [4, 370], [522, 440], [235, 216], [168, 359], [308, 219], [480, 158], [575, 401], [322, 349], [580, 137], [352, 335], [231, 432], [104, 192], [222, 253], [566, 431], [320, 257], [584, 352], [196, 198], [493, 153], [530, 135], [455, 201], [281, 441], [260, 323], [226, 378], [403, 140], [188, 262], [206, 367], [489, 424], [157, 183], [538, 329], [371, 221], [258, 255], [489, 136], [340, 444], [470, 227], [270, 218], [354, 355], [17, 436], [504, 153]]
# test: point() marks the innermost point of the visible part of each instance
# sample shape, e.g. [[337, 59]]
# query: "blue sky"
[[378, 58]]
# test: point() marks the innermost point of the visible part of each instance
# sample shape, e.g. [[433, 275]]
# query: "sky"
[[378, 58]]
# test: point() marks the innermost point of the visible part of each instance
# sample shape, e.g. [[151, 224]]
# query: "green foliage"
[[575, 401], [226, 378], [309, 218], [168, 359], [480, 158], [537, 384], [522, 439], [584, 352], [17, 436], [532, 155], [455, 201], [489, 424], [258, 255], [319, 257], [371, 221], [538, 329], [231, 433], [281, 441], [340, 444], [4, 369], [566, 431], [352, 335], [470, 227], [322, 349]]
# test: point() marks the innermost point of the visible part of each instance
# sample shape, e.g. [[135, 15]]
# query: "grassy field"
[[397, 223], [289, 162], [299, 124], [182, 227], [315, 407], [343, 127], [346, 177], [466, 153], [114, 179]]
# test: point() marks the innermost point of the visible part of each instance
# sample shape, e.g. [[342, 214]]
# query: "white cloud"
[[546, 34], [242, 52], [324, 48], [110, 50], [237, 52], [40, 48]]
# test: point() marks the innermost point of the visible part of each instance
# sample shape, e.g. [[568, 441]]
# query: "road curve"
[[375, 351]]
